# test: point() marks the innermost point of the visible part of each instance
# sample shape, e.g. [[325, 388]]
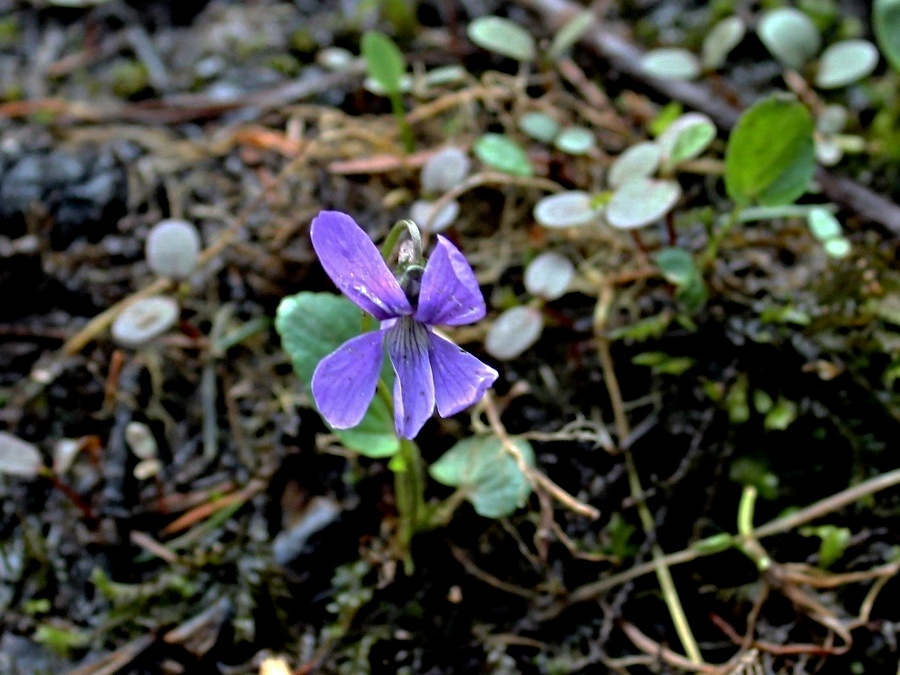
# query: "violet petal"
[[460, 379], [408, 346], [449, 294], [344, 382], [356, 267]]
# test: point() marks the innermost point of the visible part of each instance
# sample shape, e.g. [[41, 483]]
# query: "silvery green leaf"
[[335, 59], [639, 161], [828, 152], [575, 140], [143, 320], [569, 34], [846, 62], [685, 138], [373, 86], [444, 170], [444, 75], [548, 276], [502, 37], [640, 202], [422, 213], [724, 36], [671, 64], [832, 119], [823, 224], [839, 247], [540, 126], [514, 331], [790, 36], [18, 457], [565, 209], [172, 248]]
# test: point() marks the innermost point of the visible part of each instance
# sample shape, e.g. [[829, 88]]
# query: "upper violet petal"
[[408, 346], [356, 267], [460, 379], [449, 293], [344, 382]]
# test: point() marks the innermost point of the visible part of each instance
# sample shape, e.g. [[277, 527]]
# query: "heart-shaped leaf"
[[311, 326], [488, 474]]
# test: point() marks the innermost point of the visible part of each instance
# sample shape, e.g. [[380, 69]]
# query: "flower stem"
[[406, 135], [409, 488], [718, 236]]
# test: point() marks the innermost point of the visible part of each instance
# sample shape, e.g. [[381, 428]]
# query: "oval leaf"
[[540, 126], [569, 34], [671, 64], [514, 331], [502, 37], [565, 209], [503, 154], [548, 276], [641, 202], [575, 141], [384, 61], [886, 22], [687, 137], [725, 36], [638, 161], [487, 473], [846, 62], [790, 36], [18, 457], [770, 154]]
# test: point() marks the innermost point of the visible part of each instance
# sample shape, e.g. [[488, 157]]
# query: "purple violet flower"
[[431, 371]]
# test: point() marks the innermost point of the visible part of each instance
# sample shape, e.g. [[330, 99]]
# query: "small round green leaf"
[[575, 140], [540, 126], [770, 155], [444, 170], [724, 36], [639, 161], [503, 154], [671, 64], [823, 224], [846, 62], [514, 331], [565, 209], [839, 247], [886, 22], [487, 473], [687, 137], [642, 201], [548, 275], [790, 36], [502, 37]]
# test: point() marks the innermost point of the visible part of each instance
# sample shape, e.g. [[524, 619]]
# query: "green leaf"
[[846, 62], [503, 154], [886, 22], [686, 138], [639, 161], [671, 64], [770, 155], [384, 61], [781, 416], [664, 364], [311, 326], [575, 141], [834, 541], [502, 37], [540, 126], [724, 36], [569, 34], [790, 36], [679, 268], [487, 473]]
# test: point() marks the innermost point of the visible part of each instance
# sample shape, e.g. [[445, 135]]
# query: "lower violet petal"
[[344, 382], [408, 347], [460, 379]]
